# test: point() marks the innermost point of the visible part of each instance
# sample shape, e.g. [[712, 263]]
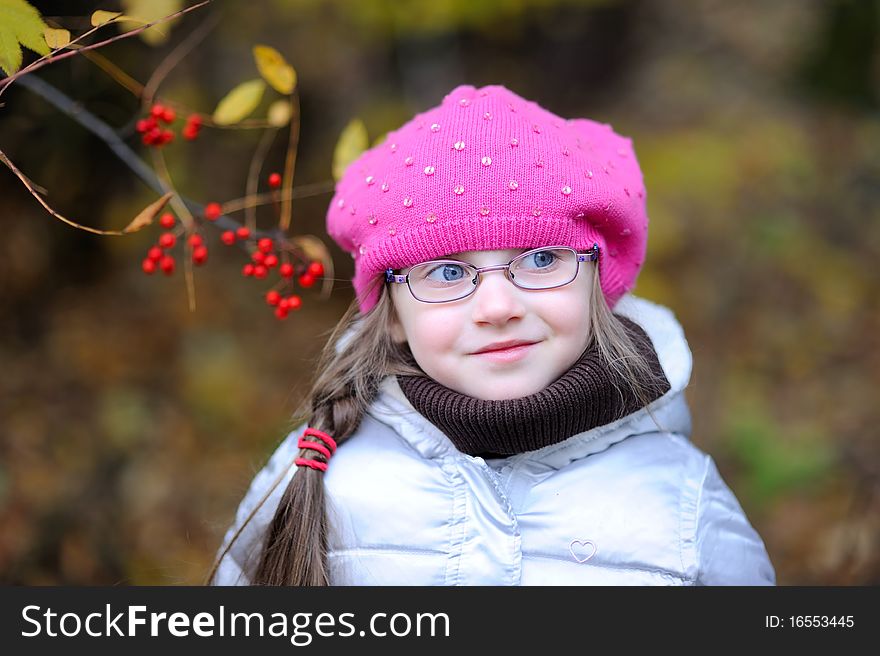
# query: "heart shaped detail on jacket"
[[583, 543]]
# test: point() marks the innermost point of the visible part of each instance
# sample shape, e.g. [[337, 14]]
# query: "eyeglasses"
[[441, 281]]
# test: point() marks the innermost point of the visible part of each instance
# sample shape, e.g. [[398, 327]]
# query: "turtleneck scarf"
[[587, 395]]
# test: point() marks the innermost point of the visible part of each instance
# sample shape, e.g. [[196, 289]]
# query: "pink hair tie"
[[314, 432], [314, 464], [326, 451], [320, 448]]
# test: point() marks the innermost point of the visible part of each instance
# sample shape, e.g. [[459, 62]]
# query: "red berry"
[[316, 269], [306, 280], [152, 136], [194, 120], [271, 260], [200, 254], [242, 232], [281, 312], [265, 244], [157, 110], [148, 265], [167, 137], [258, 257], [283, 303], [286, 270], [213, 211], [260, 271], [167, 240], [167, 264], [190, 132], [155, 253], [294, 302], [145, 125], [228, 237], [273, 297], [275, 180], [195, 239], [167, 220], [169, 115], [247, 269]]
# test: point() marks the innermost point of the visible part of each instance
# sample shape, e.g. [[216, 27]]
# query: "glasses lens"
[[542, 269], [441, 281]]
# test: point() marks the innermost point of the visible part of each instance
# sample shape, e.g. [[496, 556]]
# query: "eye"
[[447, 273], [541, 259]]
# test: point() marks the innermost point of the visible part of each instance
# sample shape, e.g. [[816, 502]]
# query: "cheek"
[[569, 313], [434, 332]]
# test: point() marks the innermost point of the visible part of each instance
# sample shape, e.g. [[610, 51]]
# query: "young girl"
[[494, 408]]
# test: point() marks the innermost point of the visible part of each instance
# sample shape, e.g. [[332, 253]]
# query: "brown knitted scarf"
[[589, 394]]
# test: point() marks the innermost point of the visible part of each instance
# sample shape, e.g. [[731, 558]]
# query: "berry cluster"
[[159, 256], [264, 257], [153, 134]]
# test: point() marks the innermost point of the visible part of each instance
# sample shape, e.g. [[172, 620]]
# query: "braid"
[[296, 542]]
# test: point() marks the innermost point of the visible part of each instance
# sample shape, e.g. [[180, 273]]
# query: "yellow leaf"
[[147, 11], [239, 102], [147, 214], [352, 142], [56, 38], [380, 139], [274, 69], [100, 17], [279, 113]]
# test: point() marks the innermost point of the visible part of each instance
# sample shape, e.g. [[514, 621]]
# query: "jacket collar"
[[391, 407]]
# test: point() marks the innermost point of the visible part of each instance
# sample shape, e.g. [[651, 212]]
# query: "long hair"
[[294, 550]]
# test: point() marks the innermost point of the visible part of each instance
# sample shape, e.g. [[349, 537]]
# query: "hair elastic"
[[326, 451]]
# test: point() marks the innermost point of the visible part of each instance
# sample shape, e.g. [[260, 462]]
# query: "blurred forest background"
[[130, 427]]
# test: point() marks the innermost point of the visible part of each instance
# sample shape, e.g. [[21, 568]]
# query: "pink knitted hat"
[[489, 170]]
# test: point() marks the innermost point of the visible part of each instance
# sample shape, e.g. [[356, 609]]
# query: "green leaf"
[[20, 25], [274, 69], [352, 142], [239, 102]]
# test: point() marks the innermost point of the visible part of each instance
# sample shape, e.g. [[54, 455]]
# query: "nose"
[[496, 299]]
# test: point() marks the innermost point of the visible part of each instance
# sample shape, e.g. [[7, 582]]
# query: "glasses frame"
[[591, 255]]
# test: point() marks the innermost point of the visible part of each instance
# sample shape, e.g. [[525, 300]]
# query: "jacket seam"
[[458, 527], [698, 555], [516, 538], [384, 549], [687, 521], [650, 570]]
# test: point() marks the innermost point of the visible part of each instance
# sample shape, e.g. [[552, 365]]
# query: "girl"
[[494, 408]]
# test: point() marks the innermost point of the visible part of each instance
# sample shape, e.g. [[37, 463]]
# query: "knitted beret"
[[489, 170]]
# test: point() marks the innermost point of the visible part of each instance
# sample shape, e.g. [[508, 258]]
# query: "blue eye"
[[542, 258], [449, 273]]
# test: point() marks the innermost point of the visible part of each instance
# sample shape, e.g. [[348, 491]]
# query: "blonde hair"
[[294, 550]]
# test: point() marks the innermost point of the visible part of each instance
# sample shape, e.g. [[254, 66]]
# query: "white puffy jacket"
[[621, 504]]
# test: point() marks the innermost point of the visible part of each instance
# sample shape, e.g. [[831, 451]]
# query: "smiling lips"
[[503, 346], [517, 351]]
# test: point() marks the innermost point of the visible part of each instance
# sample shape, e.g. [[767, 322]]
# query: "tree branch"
[[124, 152]]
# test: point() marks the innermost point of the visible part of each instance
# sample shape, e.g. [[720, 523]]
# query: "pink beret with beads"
[[489, 170]]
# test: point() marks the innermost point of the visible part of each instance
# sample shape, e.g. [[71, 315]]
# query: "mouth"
[[509, 354]]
